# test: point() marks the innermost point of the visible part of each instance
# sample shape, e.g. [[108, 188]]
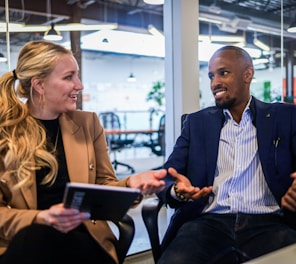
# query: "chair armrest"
[[126, 228], [150, 211]]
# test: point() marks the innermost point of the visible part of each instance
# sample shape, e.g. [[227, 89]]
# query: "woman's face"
[[59, 91]]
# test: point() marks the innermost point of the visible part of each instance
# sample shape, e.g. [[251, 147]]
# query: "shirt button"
[[91, 167]]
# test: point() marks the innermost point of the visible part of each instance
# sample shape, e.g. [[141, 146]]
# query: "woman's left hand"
[[148, 182], [61, 218]]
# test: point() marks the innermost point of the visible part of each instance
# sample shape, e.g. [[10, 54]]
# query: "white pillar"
[[181, 29]]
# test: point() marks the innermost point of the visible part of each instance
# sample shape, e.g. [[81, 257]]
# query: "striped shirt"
[[239, 184]]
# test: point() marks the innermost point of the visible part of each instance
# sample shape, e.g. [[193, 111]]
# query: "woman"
[[44, 143]]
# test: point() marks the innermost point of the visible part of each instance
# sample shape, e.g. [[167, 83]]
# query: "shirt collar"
[[249, 109]]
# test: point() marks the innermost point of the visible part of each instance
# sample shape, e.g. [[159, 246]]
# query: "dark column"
[[289, 75], [75, 45]]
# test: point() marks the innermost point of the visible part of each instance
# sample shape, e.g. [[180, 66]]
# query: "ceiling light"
[[52, 34], [17, 27], [217, 38], [84, 27], [213, 8], [260, 60], [131, 78], [261, 45], [292, 27], [2, 57], [154, 31], [154, 2]]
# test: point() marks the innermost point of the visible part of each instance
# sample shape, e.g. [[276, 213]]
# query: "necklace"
[[54, 151]]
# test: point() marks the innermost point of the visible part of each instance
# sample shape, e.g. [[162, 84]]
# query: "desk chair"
[[116, 142], [157, 144], [126, 230]]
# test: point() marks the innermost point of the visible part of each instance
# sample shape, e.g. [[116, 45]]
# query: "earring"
[[41, 101]]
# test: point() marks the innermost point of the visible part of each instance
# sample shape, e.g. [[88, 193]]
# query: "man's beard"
[[225, 104]]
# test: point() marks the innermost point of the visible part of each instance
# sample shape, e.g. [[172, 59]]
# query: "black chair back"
[[116, 141]]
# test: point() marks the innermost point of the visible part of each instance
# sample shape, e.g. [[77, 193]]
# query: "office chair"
[[116, 142], [126, 230], [157, 144]]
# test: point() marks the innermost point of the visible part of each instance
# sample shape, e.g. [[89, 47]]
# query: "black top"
[[48, 195]]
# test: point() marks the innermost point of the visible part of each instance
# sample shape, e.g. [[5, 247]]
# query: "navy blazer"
[[196, 151]]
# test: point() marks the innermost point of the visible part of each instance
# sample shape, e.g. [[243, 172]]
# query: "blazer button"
[[91, 167]]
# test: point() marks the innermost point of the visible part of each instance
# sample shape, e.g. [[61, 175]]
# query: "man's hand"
[[289, 199], [185, 188]]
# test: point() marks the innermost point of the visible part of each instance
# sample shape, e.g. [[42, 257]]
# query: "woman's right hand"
[[61, 218]]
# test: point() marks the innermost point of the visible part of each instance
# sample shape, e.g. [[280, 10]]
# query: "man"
[[229, 175]]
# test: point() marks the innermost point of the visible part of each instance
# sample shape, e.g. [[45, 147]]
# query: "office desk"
[[109, 133]]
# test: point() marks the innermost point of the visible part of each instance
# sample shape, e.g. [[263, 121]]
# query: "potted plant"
[[157, 93]]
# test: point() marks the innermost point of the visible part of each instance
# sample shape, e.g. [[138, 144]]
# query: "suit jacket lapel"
[[215, 120], [264, 122], [75, 149]]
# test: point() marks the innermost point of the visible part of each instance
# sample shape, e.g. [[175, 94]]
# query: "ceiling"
[[227, 17]]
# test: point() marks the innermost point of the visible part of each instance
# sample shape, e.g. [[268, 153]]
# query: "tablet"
[[103, 202]]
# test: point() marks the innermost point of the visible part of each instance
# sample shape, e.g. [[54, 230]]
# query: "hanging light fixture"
[[131, 78], [260, 44], [292, 27], [52, 34], [154, 2]]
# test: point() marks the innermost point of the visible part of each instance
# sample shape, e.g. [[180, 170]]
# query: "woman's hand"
[[148, 182], [61, 218], [289, 199], [185, 188]]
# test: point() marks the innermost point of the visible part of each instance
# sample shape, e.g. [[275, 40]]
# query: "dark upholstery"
[[157, 143], [126, 228]]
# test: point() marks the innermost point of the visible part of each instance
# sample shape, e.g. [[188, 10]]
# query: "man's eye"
[[224, 73]]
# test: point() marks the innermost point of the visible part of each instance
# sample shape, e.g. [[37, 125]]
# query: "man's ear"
[[37, 85], [248, 75]]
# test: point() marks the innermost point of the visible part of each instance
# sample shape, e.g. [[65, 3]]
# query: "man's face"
[[230, 79]]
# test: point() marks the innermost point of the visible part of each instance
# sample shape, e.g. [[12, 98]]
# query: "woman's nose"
[[78, 84]]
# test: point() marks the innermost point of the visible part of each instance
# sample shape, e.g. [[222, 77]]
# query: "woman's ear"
[[37, 85]]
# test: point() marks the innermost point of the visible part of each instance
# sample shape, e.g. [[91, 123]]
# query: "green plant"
[[157, 93]]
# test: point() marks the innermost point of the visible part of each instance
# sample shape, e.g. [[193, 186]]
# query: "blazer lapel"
[[75, 149], [215, 119], [264, 125]]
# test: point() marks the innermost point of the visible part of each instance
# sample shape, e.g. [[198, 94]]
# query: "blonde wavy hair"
[[23, 138]]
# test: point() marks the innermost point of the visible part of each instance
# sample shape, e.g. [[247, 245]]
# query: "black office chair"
[[116, 142], [126, 231], [156, 141]]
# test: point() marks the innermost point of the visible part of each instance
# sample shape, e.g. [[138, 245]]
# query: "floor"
[[140, 159]]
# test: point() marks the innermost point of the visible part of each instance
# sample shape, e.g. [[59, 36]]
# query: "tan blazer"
[[87, 161]]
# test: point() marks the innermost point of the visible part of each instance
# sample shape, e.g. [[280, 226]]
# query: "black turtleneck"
[[49, 195]]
